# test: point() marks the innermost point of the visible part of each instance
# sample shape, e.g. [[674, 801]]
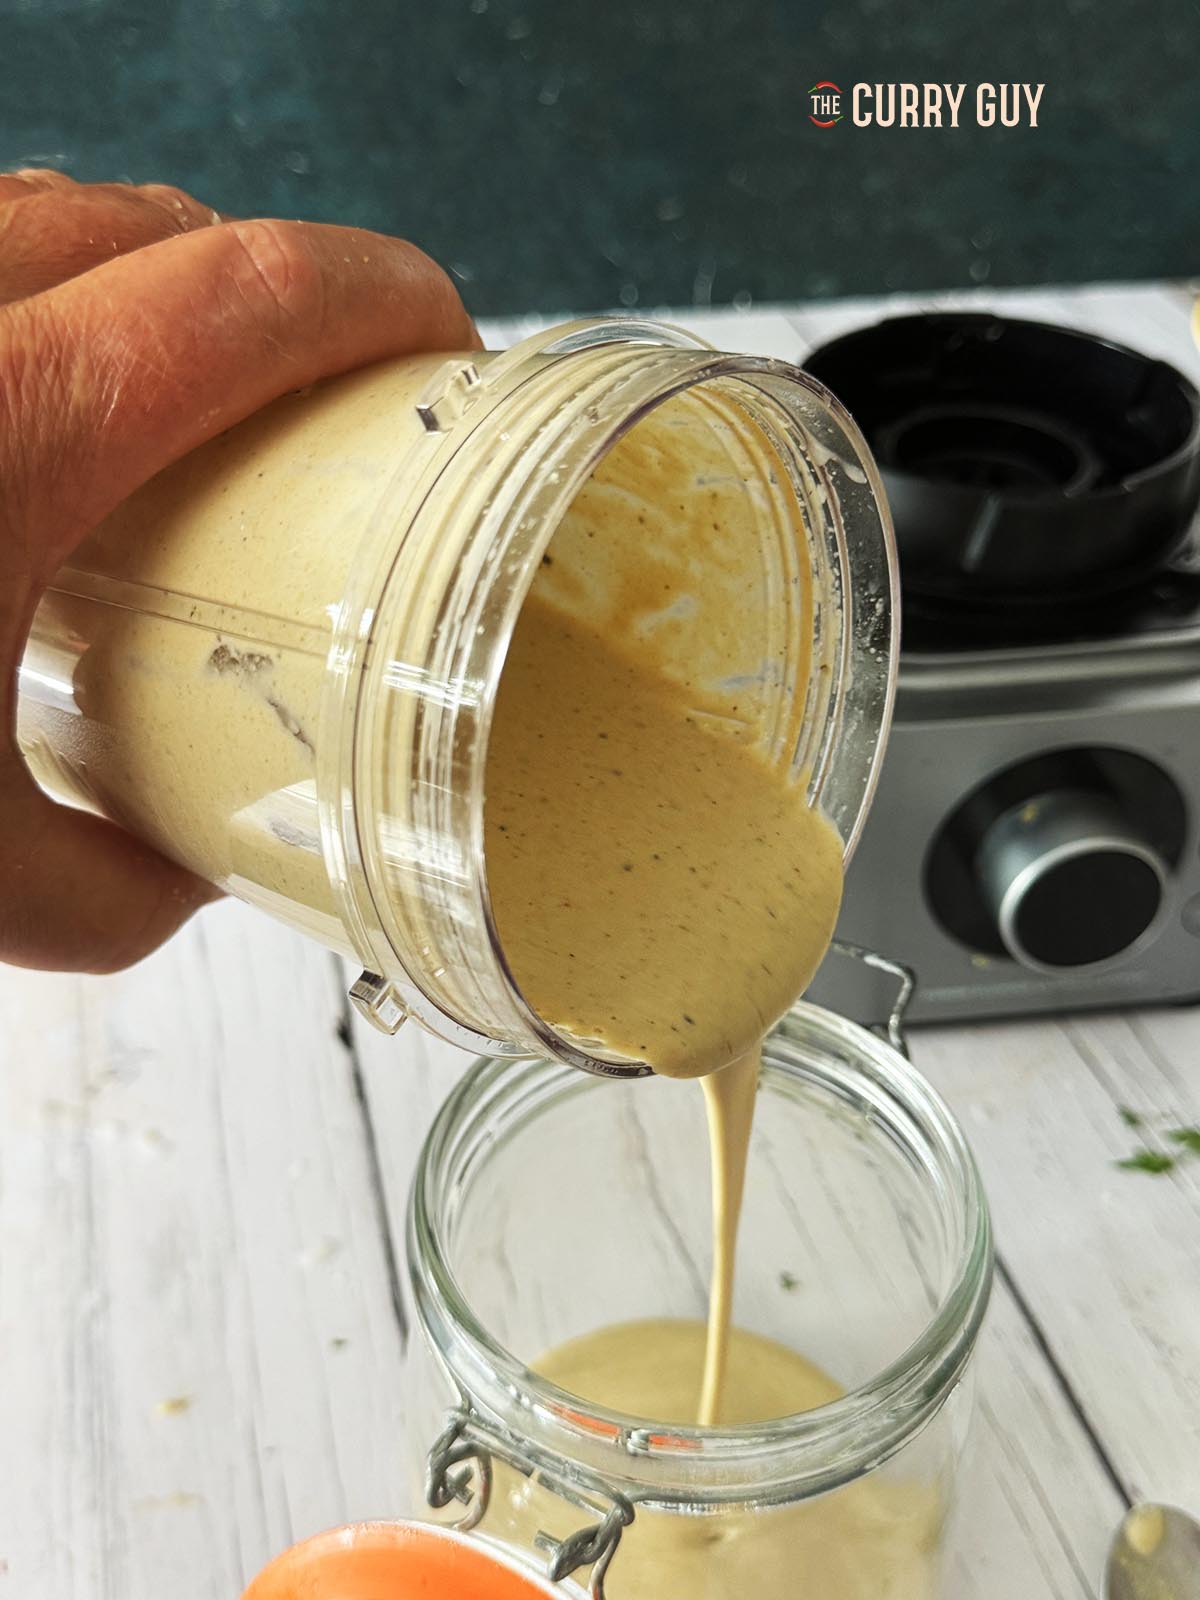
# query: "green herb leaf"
[[1189, 1138], [1147, 1161], [788, 1281], [1131, 1119]]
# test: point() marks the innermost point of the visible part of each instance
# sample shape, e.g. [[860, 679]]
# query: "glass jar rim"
[[783, 1459]]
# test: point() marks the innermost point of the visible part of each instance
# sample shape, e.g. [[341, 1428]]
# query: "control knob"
[[1068, 879]]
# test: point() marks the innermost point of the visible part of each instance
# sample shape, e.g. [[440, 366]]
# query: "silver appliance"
[[1035, 842]]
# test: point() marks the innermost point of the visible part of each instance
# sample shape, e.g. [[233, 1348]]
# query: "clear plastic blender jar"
[[278, 661]]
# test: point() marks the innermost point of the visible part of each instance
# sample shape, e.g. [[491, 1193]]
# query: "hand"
[[134, 324]]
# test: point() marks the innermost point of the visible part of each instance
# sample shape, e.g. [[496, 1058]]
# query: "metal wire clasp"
[[459, 1468], [458, 1443], [906, 978], [590, 1547]]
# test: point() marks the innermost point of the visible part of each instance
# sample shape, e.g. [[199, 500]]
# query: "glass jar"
[[277, 662], [546, 1204]]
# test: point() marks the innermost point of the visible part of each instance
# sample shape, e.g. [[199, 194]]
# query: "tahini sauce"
[[664, 892], [662, 889]]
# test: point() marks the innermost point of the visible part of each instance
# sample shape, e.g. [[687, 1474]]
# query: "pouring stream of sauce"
[[663, 892], [660, 890]]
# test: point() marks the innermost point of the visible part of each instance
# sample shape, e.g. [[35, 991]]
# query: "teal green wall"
[[561, 154]]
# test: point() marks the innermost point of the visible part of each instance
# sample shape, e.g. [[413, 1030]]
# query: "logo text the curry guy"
[[925, 105]]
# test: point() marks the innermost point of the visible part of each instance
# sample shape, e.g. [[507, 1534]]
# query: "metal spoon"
[[1155, 1555]]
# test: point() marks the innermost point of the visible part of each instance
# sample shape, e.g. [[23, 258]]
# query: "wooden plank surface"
[[188, 1213], [200, 1352], [203, 1174], [1106, 1260], [1037, 1506]]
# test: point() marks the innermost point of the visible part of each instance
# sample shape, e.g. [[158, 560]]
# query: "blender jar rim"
[[363, 895]]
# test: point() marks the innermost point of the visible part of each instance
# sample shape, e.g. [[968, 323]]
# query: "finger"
[[80, 894], [177, 200], [49, 235], [122, 370], [32, 180], [168, 195]]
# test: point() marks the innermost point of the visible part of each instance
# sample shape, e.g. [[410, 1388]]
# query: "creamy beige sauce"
[[663, 892], [180, 661], [729, 1097], [654, 1369], [658, 888], [661, 886], [874, 1539]]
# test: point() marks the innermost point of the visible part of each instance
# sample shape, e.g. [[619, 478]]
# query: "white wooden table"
[[203, 1171]]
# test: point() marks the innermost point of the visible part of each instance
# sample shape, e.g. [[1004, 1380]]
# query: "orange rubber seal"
[[394, 1561]]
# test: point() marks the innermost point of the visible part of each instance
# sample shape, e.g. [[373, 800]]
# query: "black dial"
[[1060, 862], [1069, 882]]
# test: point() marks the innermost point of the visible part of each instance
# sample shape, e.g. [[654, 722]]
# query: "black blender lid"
[[1028, 467]]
